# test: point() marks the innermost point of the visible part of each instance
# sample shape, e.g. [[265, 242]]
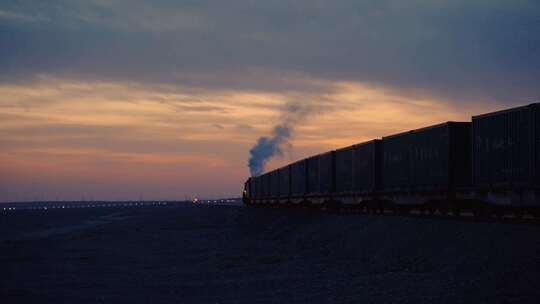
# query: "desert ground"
[[185, 253]]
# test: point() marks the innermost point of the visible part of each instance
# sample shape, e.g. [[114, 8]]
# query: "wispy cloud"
[[54, 131], [21, 18], [454, 49]]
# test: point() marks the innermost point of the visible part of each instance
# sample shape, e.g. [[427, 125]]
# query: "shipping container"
[[299, 178], [327, 166], [263, 188], [367, 166], [252, 193], [396, 168], [257, 187], [313, 175], [274, 184], [285, 182], [267, 184], [344, 170], [428, 159], [506, 148]]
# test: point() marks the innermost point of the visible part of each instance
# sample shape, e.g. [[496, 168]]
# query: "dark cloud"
[[460, 49]]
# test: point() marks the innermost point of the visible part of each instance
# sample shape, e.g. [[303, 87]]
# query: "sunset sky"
[[114, 100]]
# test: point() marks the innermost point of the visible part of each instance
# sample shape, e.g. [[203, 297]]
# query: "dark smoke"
[[273, 145], [267, 147]]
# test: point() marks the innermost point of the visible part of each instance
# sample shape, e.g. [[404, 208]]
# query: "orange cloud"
[[127, 138]]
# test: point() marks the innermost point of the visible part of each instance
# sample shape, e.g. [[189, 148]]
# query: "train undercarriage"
[[498, 203]]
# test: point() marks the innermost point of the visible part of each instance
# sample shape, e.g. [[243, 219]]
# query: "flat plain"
[[184, 253]]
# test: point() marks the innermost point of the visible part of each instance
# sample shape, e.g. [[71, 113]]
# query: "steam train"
[[488, 166]]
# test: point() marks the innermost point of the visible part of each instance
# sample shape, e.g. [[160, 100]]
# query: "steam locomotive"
[[488, 166]]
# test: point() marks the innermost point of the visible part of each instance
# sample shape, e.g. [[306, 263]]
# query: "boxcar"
[[284, 182], [396, 169], [264, 185], [252, 190], [267, 185], [313, 188], [257, 188], [431, 159], [327, 173], [299, 178], [366, 167], [274, 184], [344, 170], [506, 155], [505, 147]]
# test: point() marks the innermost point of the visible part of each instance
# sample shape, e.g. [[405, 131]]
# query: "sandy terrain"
[[210, 254]]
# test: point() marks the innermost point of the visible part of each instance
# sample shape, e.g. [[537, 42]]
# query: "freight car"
[[488, 166], [506, 158], [427, 168]]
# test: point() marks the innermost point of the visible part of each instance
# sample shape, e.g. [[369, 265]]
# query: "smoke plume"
[[274, 145]]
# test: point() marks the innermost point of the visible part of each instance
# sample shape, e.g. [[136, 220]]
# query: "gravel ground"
[[218, 254]]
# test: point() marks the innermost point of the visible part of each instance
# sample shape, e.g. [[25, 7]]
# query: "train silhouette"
[[488, 166]]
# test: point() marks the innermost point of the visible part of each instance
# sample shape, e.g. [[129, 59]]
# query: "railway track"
[[511, 216]]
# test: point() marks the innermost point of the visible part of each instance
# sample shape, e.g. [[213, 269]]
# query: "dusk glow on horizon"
[[119, 100]]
